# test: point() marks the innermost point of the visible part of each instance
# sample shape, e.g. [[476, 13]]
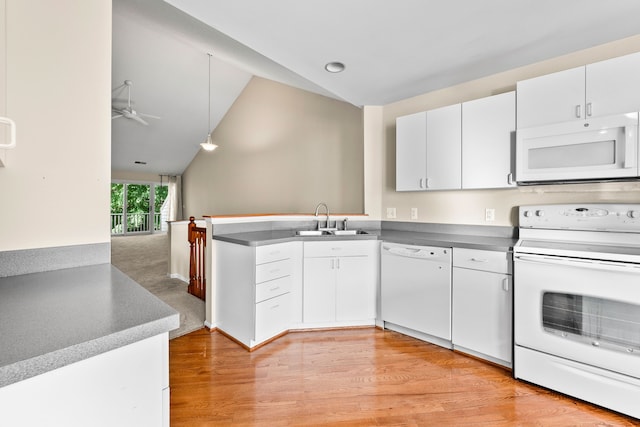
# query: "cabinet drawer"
[[273, 288], [338, 248], [273, 270], [494, 261], [272, 317], [270, 253]]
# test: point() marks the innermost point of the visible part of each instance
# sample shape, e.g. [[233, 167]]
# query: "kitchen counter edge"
[[270, 237], [139, 315]]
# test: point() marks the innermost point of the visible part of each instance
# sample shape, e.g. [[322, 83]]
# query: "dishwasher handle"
[[406, 252]]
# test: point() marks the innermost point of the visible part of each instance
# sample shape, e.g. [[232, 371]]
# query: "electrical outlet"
[[489, 214], [391, 213], [414, 213]]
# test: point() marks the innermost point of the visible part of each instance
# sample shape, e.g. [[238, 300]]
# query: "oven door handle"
[[578, 262]]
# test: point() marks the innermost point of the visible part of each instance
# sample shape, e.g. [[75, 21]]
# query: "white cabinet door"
[[552, 98], [488, 141], [482, 307], [273, 317], [355, 289], [319, 294], [613, 86], [444, 136], [411, 152], [340, 290]]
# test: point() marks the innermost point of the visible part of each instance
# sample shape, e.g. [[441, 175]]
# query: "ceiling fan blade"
[[138, 119], [117, 116], [151, 116]]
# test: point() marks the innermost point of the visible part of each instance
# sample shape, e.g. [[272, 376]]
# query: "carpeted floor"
[[145, 259]]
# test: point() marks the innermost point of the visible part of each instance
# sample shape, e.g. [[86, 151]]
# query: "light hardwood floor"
[[359, 377]]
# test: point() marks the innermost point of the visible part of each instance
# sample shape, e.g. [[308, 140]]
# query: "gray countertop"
[[55, 318], [268, 237], [489, 243]]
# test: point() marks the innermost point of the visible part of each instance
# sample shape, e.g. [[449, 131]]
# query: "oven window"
[[595, 320]]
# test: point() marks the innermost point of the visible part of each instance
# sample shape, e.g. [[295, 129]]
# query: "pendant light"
[[208, 144]]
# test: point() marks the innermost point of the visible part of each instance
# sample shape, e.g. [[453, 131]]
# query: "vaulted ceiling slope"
[[392, 50], [164, 53], [398, 49]]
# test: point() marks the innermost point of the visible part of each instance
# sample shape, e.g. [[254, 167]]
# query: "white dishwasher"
[[416, 291]]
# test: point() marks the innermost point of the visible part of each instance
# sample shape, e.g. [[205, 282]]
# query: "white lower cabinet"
[[482, 304], [124, 387], [339, 286], [253, 290]]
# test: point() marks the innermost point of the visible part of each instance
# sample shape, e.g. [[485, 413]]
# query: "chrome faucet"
[[327, 209]]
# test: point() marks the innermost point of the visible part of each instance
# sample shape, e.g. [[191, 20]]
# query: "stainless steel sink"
[[348, 232], [329, 232], [312, 233]]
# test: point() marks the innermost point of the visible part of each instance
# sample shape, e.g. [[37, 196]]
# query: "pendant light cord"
[[209, 129]]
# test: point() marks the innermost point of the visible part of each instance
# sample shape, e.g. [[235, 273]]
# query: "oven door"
[[582, 310]]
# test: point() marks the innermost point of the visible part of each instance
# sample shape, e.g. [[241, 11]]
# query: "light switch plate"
[[414, 213], [391, 213], [489, 214]]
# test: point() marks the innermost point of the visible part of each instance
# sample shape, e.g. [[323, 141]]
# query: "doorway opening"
[[138, 208]]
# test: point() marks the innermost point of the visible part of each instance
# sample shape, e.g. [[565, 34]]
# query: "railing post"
[[197, 242]]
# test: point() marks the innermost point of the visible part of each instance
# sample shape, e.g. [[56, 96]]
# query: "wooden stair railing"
[[197, 242]]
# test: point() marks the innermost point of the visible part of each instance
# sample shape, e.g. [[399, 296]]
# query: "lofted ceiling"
[[392, 50]]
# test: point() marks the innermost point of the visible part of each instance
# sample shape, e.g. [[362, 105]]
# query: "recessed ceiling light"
[[334, 67]]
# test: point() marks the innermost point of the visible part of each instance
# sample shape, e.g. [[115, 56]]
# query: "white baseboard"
[[179, 277]]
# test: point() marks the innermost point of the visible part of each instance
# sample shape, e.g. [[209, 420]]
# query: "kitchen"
[[463, 207]]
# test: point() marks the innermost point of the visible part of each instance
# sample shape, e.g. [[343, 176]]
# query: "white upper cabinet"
[[444, 136], [411, 152], [613, 86], [428, 148], [553, 98], [596, 90], [488, 136]]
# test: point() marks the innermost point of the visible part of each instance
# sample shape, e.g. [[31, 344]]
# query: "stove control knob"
[[527, 214], [633, 214], [539, 213]]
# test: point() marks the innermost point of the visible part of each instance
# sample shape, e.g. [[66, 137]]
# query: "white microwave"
[[603, 148]]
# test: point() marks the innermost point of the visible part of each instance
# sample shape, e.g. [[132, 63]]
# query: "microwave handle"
[[630, 146]]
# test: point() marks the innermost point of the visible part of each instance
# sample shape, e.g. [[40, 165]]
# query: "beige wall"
[[55, 183], [281, 150], [468, 206]]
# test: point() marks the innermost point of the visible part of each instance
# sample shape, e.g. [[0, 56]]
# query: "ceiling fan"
[[128, 112]]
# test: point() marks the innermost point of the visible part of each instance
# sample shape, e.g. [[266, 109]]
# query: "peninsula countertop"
[[52, 319], [268, 237]]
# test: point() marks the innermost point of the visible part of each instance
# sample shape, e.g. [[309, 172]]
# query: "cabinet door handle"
[[274, 271], [275, 289], [578, 111], [510, 178], [426, 183], [589, 109], [333, 263], [275, 306], [505, 284], [338, 264], [479, 260], [12, 132]]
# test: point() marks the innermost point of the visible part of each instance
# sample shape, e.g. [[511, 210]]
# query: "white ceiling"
[[392, 50]]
